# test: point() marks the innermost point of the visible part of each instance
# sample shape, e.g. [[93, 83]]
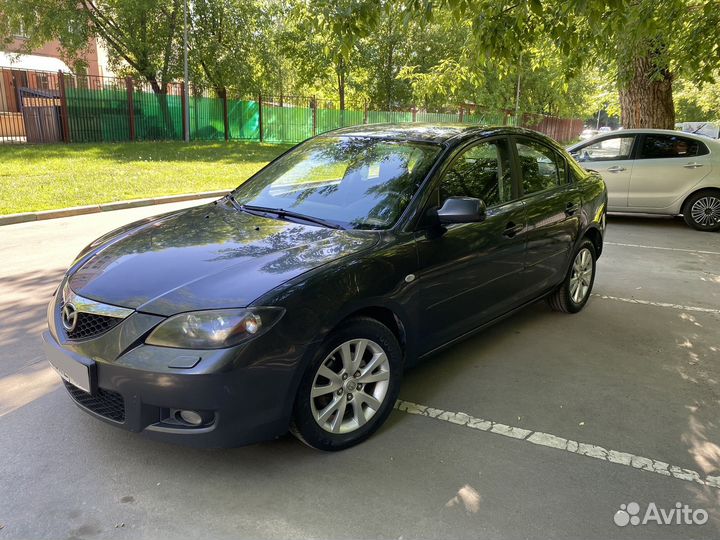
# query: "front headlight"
[[215, 329]]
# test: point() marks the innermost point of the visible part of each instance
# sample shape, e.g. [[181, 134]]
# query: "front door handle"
[[571, 208], [693, 165], [511, 229], [615, 168]]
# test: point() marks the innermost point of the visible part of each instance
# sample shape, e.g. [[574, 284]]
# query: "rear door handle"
[[693, 165], [571, 208], [511, 229], [615, 168]]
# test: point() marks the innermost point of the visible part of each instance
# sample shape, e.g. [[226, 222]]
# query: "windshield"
[[355, 182]]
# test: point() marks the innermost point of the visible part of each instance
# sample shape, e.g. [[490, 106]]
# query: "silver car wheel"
[[581, 276], [350, 386], [706, 211]]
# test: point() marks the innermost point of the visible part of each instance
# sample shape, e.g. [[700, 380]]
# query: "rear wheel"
[[350, 386], [702, 211], [573, 293]]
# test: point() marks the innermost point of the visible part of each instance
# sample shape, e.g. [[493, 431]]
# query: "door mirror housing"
[[462, 210]]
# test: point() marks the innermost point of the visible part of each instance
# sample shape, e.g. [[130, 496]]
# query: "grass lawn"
[[43, 177]]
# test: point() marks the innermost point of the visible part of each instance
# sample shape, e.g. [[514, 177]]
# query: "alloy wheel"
[[350, 386], [581, 277], [706, 211]]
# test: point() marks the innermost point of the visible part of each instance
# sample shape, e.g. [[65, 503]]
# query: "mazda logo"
[[69, 317]]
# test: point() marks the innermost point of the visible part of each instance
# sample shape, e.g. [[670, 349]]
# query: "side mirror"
[[462, 210]]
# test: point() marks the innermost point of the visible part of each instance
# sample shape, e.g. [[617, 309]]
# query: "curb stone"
[[106, 207]]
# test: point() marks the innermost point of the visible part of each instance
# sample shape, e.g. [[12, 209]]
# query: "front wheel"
[[702, 211], [573, 293], [350, 386]]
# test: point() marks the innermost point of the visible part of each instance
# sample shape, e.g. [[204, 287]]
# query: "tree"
[[441, 54], [342, 23], [228, 42], [650, 42]]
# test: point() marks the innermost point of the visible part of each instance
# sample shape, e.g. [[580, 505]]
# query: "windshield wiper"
[[236, 204], [282, 213]]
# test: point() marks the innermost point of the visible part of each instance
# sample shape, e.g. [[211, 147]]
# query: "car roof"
[[658, 131], [638, 131], [422, 132], [428, 132]]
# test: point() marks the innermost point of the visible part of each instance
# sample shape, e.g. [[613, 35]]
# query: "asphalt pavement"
[[540, 427]]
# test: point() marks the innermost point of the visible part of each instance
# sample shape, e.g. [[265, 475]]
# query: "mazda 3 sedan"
[[656, 171], [296, 302]]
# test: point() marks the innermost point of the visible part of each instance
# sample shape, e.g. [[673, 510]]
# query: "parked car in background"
[[297, 301], [658, 172], [605, 129]]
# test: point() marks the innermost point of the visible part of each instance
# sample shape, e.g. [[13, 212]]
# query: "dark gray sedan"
[[297, 301]]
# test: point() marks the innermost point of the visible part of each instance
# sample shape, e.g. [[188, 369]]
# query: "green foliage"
[[698, 102], [569, 55], [221, 53]]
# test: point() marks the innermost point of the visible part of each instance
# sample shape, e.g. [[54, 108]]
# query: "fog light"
[[191, 417]]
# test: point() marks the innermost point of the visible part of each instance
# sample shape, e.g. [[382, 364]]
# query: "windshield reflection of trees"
[[356, 198], [295, 246]]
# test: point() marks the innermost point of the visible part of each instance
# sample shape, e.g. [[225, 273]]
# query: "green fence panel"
[[435, 118], [158, 116], [206, 119], [392, 117], [329, 119], [98, 115], [488, 118], [286, 124], [243, 119]]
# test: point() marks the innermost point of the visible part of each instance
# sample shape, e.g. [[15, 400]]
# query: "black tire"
[[562, 299], [304, 425], [711, 223]]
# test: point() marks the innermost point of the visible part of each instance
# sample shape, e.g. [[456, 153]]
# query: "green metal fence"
[[94, 109]]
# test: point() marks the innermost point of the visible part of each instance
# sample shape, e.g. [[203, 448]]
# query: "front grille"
[[105, 403], [90, 325]]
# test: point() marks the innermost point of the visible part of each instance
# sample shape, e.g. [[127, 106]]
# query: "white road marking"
[[553, 441], [656, 304], [663, 248]]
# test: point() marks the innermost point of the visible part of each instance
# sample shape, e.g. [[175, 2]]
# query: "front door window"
[[611, 149], [483, 172]]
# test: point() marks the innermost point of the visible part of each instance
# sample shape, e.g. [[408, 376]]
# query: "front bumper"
[[244, 394], [241, 406]]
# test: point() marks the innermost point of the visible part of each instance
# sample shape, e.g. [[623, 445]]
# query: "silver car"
[[657, 171]]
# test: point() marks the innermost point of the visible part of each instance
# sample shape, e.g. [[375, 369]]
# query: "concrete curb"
[[107, 207]]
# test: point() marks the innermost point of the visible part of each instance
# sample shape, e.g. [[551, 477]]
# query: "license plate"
[[74, 369]]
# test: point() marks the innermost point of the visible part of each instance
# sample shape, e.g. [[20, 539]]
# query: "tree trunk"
[[646, 96]]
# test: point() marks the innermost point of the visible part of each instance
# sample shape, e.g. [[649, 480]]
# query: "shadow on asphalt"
[[23, 304]]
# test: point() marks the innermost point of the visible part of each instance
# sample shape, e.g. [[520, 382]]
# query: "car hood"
[[208, 257]]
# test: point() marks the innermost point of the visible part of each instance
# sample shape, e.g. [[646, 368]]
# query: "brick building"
[[36, 70]]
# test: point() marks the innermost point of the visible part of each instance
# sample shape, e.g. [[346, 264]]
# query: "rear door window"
[[541, 167], [656, 146]]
